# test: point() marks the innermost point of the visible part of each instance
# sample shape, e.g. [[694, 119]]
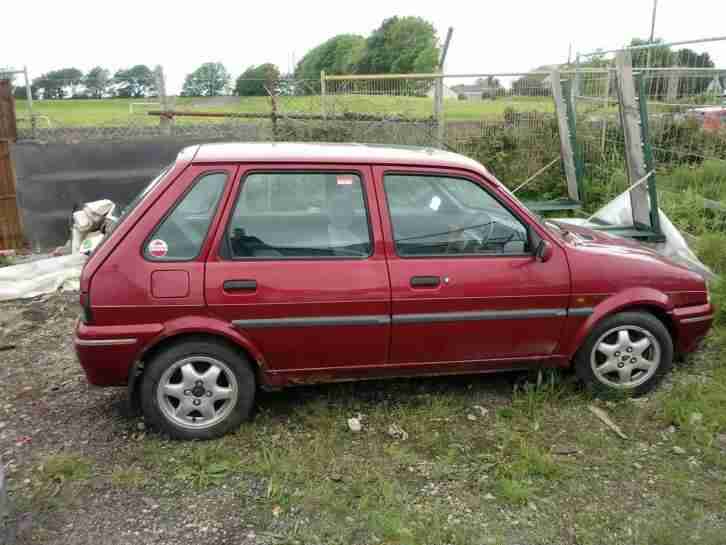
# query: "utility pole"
[[652, 31], [439, 92]]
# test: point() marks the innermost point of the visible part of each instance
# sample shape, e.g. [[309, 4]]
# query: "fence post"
[[576, 91], [439, 110], [566, 136], [29, 98], [673, 84], [323, 109], [165, 121], [630, 114]]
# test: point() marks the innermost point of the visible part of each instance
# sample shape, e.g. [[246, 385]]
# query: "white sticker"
[[158, 248], [345, 179], [435, 203]]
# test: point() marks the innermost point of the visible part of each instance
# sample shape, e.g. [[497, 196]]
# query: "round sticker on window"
[[158, 248]]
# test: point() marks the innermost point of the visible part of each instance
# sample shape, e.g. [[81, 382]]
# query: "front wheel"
[[629, 353], [197, 390]]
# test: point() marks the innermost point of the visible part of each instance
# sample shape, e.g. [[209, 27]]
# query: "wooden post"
[[165, 121], [566, 148], [11, 229], [323, 109], [439, 110], [29, 98], [633, 134], [673, 84]]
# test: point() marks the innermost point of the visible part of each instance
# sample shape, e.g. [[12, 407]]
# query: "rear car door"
[[300, 269], [466, 286]]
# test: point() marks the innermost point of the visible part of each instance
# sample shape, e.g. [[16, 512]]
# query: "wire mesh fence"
[[682, 88]]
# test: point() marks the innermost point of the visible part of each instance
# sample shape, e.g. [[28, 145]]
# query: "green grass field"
[[108, 112]]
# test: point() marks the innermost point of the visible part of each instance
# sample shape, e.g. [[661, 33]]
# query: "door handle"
[[240, 285], [425, 282]]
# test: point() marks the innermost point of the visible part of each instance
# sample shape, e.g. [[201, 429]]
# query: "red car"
[[246, 266]]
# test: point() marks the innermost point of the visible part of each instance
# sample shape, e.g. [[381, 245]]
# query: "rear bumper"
[[692, 324], [107, 353]]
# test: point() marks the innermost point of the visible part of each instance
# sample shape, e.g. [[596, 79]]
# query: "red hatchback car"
[[246, 266]]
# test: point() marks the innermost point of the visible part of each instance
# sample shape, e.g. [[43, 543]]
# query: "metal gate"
[[10, 227]]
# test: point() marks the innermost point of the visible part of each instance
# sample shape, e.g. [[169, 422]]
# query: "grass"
[[55, 481], [109, 112]]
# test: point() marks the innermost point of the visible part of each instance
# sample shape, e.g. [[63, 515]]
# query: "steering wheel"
[[480, 232]]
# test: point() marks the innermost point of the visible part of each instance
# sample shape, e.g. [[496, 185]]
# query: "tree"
[[97, 82], [55, 83], [210, 79], [662, 56], [257, 79], [339, 55], [401, 45], [135, 82]]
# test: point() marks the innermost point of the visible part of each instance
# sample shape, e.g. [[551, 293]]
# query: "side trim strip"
[[478, 315], [103, 342], [584, 311], [697, 319], [313, 321]]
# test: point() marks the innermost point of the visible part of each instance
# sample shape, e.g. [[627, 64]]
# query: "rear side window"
[[287, 215], [180, 235]]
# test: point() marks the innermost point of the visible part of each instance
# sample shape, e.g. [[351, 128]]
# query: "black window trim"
[[224, 251], [497, 198], [173, 208]]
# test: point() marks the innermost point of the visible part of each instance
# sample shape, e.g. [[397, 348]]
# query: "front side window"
[[179, 236], [440, 215], [287, 215]]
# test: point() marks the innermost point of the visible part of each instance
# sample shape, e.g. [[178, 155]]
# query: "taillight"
[[86, 316]]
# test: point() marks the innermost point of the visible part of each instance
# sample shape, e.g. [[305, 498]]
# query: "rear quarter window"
[[181, 234]]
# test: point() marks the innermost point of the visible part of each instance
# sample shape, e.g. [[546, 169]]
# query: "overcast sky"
[[502, 36]]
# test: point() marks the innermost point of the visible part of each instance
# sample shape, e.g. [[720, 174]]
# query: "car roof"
[[289, 152]]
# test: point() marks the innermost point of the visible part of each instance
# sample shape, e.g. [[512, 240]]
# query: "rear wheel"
[[629, 353], [197, 390]]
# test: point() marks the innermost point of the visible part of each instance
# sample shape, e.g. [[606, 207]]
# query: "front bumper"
[[691, 324]]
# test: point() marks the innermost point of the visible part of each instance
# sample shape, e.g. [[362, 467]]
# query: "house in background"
[[481, 89], [448, 92]]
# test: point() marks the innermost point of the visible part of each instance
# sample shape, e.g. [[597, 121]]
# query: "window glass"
[[299, 215], [434, 215], [181, 234]]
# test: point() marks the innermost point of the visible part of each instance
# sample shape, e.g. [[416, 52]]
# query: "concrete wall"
[[54, 176], [60, 168]]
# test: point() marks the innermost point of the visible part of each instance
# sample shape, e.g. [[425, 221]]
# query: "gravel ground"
[[47, 408]]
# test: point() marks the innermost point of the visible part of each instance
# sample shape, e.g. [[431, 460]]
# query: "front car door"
[[300, 270], [466, 286]]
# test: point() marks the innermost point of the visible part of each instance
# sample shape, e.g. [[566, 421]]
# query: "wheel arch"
[[648, 300], [244, 348]]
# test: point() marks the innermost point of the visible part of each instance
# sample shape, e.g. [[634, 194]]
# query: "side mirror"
[[544, 251]]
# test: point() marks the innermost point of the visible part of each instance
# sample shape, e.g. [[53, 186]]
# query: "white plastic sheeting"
[[41, 276], [618, 213], [63, 273]]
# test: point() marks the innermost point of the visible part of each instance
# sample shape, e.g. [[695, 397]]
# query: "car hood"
[[600, 261], [603, 242]]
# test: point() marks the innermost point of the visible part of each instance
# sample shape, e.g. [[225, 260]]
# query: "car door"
[[300, 268], [465, 283]]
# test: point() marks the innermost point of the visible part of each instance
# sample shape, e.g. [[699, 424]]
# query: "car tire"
[[627, 353], [197, 389]]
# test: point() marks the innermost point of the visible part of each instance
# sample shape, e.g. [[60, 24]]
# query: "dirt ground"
[[468, 460]]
